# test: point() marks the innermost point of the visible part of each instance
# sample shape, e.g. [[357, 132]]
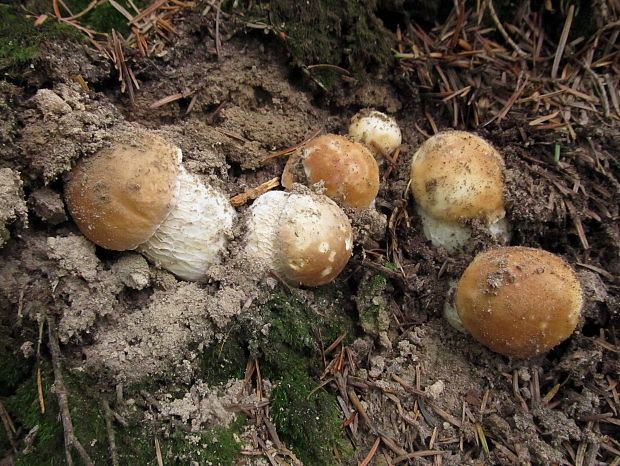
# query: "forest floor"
[[105, 359]]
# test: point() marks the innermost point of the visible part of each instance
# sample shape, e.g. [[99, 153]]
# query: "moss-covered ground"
[[290, 355], [22, 43], [322, 34]]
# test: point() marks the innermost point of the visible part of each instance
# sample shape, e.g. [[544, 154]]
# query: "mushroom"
[[347, 169], [377, 130], [458, 177], [135, 194], [518, 301], [305, 238]]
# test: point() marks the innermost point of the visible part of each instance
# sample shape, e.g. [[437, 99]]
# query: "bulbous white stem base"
[[454, 236], [195, 232], [264, 222]]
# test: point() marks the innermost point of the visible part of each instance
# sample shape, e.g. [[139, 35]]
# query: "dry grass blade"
[[291, 149], [121, 10], [9, 428], [336, 342], [418, 454], [147, 11], [107, 413], [125, 77], [563, 38], [327, 65], [158, 455], [166, 100], [502, 30], [40, 391]]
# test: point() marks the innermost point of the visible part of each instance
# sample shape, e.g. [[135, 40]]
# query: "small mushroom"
[[305, 238], [347, 169], [377, 130], [135, 194], [457, 177], [518, 301]]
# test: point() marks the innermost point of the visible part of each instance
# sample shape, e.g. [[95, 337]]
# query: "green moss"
[[331, 32], [371, 302], [309, 424], [287, 336], [217, 446], [104, 17], [48, 445], [21, 42], [24, 410], [223, 361], [14, 369]]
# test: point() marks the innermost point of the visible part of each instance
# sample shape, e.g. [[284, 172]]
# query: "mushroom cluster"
[[136, 194], [517, 301]]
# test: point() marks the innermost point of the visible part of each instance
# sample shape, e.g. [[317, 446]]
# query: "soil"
[[424, 386]]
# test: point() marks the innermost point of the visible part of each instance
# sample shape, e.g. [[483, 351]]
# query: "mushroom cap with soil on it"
[[376, 130], [519, 301], [305, 238], [456, 177], [347, 169], [135, 194]]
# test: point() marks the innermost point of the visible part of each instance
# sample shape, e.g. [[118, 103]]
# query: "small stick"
[[107, 412], [253, 193], [357, 404], [63, 401], [218, 40], [503, 31]]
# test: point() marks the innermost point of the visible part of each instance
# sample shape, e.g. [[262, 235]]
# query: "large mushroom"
[[135, 194], [457, 177]]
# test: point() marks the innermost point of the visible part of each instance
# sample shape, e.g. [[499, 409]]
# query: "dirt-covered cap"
[[348, 170], [519, 301], [120, 195], [456, 175]]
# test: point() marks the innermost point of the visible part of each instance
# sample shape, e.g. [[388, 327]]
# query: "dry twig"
[[71, 441]]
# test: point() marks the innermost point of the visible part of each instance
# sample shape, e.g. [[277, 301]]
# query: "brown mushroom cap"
[[348, 169], [457, 175], [120, 195], [519, 301]]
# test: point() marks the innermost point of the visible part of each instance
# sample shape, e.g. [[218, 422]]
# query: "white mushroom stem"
[[449, 309], [194, 233], [454, 236]]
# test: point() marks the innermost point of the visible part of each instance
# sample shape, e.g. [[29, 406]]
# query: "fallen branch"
[[59, 389], [107, 412]]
